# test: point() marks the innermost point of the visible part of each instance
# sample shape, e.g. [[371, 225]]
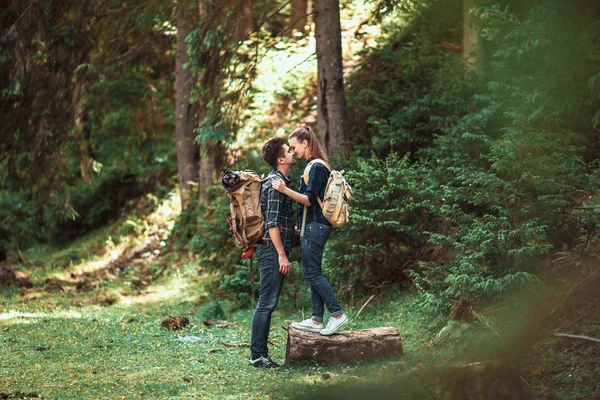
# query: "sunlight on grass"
[[25, 317], [176, 288], [166, 213], [161, 221]]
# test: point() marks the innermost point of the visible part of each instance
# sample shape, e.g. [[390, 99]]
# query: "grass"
[[87, 330], [121, 351], [60, 344]]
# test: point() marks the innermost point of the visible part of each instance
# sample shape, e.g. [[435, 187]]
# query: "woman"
[[304, 144]]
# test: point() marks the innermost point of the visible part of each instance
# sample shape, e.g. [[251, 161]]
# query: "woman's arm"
[[280, 186]]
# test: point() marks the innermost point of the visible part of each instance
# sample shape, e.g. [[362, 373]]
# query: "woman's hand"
[[279, 185]]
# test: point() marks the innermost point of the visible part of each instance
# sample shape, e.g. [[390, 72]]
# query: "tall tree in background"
[[209, 151], [224, 73], [81, 126], [245, 19], [471, 44], [37, 63], [212, 80], [185, 111], [299, 15], [331, 104]]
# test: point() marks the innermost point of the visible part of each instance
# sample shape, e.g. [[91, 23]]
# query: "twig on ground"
[[472, 364], [566, 335], [488, 325], [21, 258], [367, 302], [243, 344], [214, 350], [569, 323], [571, 291]]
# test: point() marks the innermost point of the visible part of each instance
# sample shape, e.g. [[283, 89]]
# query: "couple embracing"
[[276, 199]]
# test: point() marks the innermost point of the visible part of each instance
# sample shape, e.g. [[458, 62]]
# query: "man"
[[274, 248]]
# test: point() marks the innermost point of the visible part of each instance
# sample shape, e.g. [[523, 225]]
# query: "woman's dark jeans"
[[271, 283], [321, 293]]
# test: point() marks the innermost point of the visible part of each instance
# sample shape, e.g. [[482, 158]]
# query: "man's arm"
[[284, 263], [273, 218]]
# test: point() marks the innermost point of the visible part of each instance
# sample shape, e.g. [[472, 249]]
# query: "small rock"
[[329, 376], [189, 339]]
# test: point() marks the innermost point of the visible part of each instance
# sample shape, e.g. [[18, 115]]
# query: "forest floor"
[[90, 327]]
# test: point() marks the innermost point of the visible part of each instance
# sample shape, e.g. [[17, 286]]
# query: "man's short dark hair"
[[272, 150]]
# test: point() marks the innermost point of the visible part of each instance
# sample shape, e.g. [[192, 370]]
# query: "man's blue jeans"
[[271, 283], [321, 292]]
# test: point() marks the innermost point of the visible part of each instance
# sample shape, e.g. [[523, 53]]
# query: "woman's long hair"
[[305, 133]]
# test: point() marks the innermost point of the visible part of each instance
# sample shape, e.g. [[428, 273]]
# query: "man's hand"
[[284, 264], [279, 185]]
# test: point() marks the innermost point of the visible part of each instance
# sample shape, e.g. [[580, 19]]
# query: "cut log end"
[[366, 344]]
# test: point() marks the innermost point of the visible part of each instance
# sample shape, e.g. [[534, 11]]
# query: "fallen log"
[[366, 344]]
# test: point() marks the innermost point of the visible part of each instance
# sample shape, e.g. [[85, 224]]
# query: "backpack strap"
[[306, 173], [233, 218], [263, 180], [305, 177]]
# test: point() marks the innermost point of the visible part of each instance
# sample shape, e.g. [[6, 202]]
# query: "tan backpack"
[[246, 222], [336, 201]]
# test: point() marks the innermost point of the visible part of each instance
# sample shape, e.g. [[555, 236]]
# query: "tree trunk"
[[82, 132], [185, 117], [331, 103], [210, 152], [471, 44], [209, 163], [245, 22], [346, 346], [298, 16]]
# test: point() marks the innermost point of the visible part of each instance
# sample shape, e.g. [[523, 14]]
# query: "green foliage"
[[240, 285], [213, 311], [117, 70], [406, 89], [18, 229], [501, 152], [394, 204]]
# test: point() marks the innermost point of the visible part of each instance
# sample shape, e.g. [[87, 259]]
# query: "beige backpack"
[[336, 202], [246, 222]]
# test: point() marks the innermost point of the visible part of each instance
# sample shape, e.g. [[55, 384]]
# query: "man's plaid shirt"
[[277, 210]]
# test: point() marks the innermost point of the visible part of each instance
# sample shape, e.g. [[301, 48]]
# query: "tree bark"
[[185, 118], [210, 152], [331, 103], [346, 346], [245, 22], [298, 16], [209, 164], [82, 132], [471, 44]]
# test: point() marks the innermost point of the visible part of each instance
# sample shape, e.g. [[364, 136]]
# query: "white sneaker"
[[334, 324], [307, 325]]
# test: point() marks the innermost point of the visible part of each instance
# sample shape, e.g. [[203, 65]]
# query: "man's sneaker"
[[307, 325], [334, 324], [264, 362]]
